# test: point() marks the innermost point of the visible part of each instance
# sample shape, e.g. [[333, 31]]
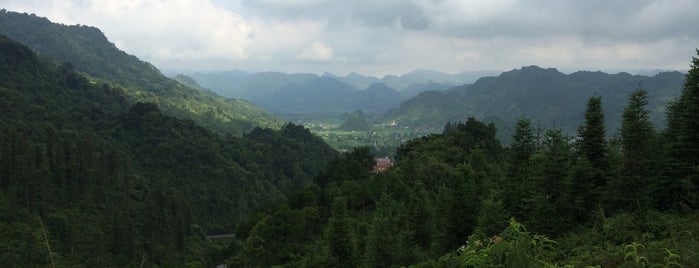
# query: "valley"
[[107, 162]]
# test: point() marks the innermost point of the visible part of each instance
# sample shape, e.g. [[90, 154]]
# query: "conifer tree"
[[592, 142], [552, 185], [339, 239], [517, 185], [493, 217], [679, 186], [637, 134]]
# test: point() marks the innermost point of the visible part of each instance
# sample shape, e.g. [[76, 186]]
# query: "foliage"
[[121, 183], [90, 177], [88, 51], [514, 247], [458, 189]]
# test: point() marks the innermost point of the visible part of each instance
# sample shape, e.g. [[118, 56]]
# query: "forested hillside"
[[461, 199], [104, 162], [88, 51], [547, 96], [90, 178]]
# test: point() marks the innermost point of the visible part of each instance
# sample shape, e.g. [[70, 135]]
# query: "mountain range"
[[248, 85], [551, 98], [329, 95]]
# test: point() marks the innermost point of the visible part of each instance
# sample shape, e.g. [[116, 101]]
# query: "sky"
[[379, 37]]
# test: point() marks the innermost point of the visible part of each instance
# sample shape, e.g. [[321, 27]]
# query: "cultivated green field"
[[381, 138]]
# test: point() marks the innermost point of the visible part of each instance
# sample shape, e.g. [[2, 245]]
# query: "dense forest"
[[111, 168], [90, 178], [460, 199]]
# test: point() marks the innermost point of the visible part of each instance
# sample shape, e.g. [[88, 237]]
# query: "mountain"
[[246, 85], [89, 51], [321, 94], [110, 182], [422, 76], [360, 81], [416, 88], [355, 121], [326, 94], [376, 99], [239, 84], [545, 95], [187, 81]]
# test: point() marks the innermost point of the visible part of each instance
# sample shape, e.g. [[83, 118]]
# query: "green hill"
[[107, 181], [88, 51], [355, 121], [545, 95]]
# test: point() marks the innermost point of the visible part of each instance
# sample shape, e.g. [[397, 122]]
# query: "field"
[[381, 138]]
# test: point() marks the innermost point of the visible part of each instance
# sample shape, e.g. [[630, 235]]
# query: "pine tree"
[[552, 189], [493, 217], [631, 189], [592, 141], [678, 188], [339, 239], [517, 185], [389, 242]]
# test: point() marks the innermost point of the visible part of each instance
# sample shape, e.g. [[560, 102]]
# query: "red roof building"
[[382, 164]]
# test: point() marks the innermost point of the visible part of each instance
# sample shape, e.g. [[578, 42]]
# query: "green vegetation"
[[90, 178], [87, 50], [460, 199], [355, 121], [93, 176]]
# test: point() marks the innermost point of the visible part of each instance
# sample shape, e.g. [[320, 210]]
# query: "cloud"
[[316, 52], [389, 36]]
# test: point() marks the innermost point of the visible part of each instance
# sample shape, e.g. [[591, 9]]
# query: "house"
[[382, 164]]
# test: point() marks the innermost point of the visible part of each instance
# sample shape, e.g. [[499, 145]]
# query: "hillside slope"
[[115, 183], [89, 51]]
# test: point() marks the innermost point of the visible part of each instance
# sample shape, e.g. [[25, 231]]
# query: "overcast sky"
[[379, 37]]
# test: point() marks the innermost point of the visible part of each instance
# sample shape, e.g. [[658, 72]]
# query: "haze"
[[389, 37]]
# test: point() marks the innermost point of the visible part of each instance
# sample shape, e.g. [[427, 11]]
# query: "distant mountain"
[[376, 99], [239, 84], [326, 94], [421, 76], [414, 89], [89, 51], [317, 95], [360, 81], [547, 96]]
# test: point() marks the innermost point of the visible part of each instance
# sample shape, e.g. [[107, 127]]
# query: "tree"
[[517, 185], [339, 236], [592, 141], [637, 134], [493, 217], [389, 241], [552, 189], [678, 188], [457, 210]]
